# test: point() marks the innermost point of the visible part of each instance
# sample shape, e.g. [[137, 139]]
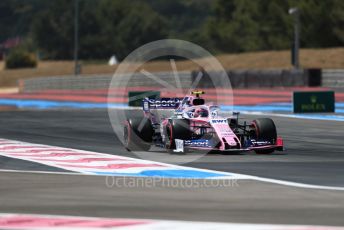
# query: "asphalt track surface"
[[314, 155]]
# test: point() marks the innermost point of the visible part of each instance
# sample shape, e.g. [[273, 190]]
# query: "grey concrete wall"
[[333, 77], [260, 78], [101, 81], [238, 78]]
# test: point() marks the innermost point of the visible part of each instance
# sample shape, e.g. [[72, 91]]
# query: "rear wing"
[[161, 103]]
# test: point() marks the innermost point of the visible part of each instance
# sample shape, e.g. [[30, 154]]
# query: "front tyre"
[[265, 130], [176, 129], [137, 134]]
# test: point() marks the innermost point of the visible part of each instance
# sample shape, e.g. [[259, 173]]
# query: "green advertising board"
[[135, 97], [314, 102]]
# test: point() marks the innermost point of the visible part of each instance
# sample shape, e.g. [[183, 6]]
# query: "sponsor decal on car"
[[198, 143], [219, 121], [162, 103], [145, 106], [254, 142]]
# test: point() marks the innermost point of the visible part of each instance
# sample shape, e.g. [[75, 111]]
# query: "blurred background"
[[243, 33], [268, 44]]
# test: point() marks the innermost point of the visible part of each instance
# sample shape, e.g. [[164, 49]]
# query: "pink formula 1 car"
[[198, 126]]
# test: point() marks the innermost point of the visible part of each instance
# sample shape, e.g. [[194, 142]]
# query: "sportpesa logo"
[[164, 103]]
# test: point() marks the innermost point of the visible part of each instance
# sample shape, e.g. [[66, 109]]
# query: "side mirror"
[[236, 113]]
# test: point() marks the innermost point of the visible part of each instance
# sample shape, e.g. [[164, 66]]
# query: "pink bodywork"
[[225, 133], [213, 123], [217, 123]]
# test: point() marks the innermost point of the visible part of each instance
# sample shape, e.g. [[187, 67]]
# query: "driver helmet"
[[201, 112]]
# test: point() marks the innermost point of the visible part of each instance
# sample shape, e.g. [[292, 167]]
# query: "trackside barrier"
[[314, 77], [333, 77], [260, 78], [314, 102], [238, 78], [100, 81]]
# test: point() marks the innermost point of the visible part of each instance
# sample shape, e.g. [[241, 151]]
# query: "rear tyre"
[[265, 130], [176, 129], [137, 134]]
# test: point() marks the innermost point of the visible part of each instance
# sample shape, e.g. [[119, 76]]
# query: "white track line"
[[31, 151], [294, 116], [42, 172], [296, 184], [227, 175]]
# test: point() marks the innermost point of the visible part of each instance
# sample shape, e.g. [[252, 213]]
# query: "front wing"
[[205, 144]]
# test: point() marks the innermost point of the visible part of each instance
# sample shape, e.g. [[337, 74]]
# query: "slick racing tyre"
[[137, 134], [176, 129], [265, 130]]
